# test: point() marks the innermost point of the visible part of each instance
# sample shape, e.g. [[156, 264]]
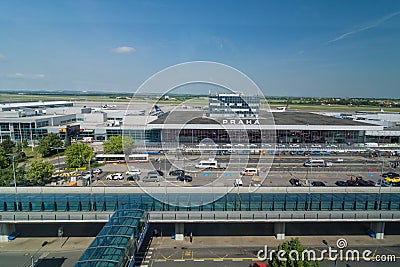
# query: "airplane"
[[156, 111]]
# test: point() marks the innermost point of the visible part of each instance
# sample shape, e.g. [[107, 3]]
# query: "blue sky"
[[289, 48]]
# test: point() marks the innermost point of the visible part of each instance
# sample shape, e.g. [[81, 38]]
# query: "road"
[[242, 251]]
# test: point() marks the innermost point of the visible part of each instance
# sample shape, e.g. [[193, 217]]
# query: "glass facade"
[[21, 131], [233, 105], [199, 202], [261, 136]]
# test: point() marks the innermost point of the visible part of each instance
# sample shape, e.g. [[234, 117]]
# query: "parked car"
[[238, 182], [177, 172], [115, 176], [318, 183], [133, 177], [390, 175], [383, 183], [259, 264], [351, 183], [184, 178], [160, 172], [97, 171], [393, 180], [133, 172], [256, 181], [362, 182], [152, 176], [294, 182], [341, 183]]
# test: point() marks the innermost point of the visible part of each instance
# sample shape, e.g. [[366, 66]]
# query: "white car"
[[115, 176], [294, 145], [238, 182], [133, 172], [118, 176], [87, 176]]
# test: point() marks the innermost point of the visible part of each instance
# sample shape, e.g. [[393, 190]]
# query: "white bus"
[[314, 163], [110, 158], [138, 158], [208, 164]]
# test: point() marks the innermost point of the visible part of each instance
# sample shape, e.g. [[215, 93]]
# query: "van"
[[249, 171], [151, 177]]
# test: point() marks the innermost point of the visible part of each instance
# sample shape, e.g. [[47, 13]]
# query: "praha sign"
[[241, 122]]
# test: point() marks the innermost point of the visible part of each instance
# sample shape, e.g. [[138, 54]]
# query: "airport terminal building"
[[228, 118]]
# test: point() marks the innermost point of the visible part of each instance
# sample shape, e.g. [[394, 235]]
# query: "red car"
[[259, 264]]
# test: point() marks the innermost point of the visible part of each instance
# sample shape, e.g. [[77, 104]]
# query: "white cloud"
[[123, 50], [370, 26], [19, 75]]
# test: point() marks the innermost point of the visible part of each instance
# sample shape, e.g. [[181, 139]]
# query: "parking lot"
[[345, 168]]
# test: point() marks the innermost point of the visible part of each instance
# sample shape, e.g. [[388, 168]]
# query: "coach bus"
[[121, 158], [314, 163], [110, 158]]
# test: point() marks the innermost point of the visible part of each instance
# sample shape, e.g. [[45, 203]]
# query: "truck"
[[210, 164]]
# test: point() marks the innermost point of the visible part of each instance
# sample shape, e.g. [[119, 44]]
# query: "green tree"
[[39, 171], [4, 162], [78, 155], [8, 146], [119, 145], [292, 247], [24, 143], [48, 143]]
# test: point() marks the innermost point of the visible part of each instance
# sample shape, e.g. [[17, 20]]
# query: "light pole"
[[15, 179], [37, 251], [90, 182]]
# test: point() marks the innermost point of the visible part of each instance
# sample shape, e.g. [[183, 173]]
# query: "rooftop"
[[280, 118]]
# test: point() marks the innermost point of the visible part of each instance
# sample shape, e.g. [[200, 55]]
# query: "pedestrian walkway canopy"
[[201, 202], [117, 241]]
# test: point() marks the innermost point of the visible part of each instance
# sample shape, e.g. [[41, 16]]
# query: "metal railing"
[[294, 216], [55, 216]]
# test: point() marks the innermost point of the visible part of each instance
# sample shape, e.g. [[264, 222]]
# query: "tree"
[[24, 143], [48, 144], [8, 146], [294, 248], [39, 171], [4, 162], [78, 155], [119, 145]]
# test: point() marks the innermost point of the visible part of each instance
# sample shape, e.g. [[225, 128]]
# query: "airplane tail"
[[156, 111]]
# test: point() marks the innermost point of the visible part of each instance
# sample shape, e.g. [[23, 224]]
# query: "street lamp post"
[[15, 178], [37, 251], [90, 182]]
